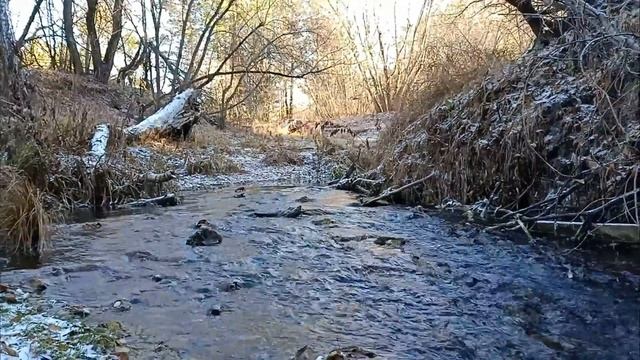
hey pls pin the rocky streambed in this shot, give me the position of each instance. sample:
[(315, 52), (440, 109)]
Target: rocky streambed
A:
[(388, 281)]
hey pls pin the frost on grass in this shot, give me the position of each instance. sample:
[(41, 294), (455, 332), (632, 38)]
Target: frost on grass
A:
[(29, 334)]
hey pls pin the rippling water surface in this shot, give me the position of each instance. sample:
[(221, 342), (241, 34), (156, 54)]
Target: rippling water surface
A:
[(450, 292)]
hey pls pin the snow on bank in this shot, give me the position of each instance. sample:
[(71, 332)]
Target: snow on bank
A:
[(28, 333), (314, 169), (254, 171)]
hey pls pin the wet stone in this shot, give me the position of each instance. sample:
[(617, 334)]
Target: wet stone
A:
[(205, 235), (79, 311), (10, 298), (325, 221), (156, 278), (215, 310), (56, 271), (351, 352), (121, 305), (141, 255), (389, 241), (291, 213), (38, 284), (232, 285)]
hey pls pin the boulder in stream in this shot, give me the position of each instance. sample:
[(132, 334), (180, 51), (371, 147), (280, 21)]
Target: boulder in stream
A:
[(205, 235)]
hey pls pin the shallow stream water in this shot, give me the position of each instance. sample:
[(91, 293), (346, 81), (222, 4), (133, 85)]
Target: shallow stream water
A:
[(451, 291)]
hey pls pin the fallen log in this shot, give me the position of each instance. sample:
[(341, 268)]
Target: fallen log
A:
[(173, 120), (98, 151), (164, 201)]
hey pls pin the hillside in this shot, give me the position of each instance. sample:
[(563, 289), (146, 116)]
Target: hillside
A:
[(554, 135)]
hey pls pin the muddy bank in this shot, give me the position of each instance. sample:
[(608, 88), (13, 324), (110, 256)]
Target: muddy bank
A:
[(401, 284)]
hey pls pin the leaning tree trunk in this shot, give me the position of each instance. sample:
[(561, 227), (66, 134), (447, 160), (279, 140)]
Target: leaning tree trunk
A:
[(8, 60)]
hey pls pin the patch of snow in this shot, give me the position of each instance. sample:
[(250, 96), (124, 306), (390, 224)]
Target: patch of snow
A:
[(254, 171), (19, 320)]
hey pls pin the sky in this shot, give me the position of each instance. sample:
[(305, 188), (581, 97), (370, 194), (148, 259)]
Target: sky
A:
[(405, 9)]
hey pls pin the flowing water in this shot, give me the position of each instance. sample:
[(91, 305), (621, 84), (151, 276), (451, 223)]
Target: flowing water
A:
[(451, 291)]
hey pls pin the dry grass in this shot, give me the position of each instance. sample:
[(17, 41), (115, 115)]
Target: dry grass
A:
[(206, 136), (528, 130), (281, 156), (23, 216), (212, 165)]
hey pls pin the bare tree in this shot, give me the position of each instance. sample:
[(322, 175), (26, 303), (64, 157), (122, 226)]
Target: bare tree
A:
[(25, 32), (102, 66)]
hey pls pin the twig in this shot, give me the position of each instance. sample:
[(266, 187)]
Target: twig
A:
[(387, 193)]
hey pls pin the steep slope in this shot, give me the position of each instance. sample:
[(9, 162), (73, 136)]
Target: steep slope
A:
[(559, 126)]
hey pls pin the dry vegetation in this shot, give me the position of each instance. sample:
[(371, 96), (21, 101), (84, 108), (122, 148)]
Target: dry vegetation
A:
[(554, 135), (212, 165), (43, 144), (22, 213)]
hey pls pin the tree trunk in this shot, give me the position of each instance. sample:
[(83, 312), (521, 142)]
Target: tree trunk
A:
[(67, 15), (8, 60), (543, 29), (102, 66)]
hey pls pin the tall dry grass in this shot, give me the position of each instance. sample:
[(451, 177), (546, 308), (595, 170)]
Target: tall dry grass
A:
[(421, 64), (24, 218), (559, 118)]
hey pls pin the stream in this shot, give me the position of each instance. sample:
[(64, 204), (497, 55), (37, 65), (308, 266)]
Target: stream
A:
[(437, 289)]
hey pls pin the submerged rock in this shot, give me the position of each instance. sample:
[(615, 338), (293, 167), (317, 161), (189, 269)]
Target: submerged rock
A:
[(141, 255), (389, 241), (232, 285), (304, 199), (325, 221), (292, 212), (351, 352), (78, 310), (38, 284), (10, 298), (215, 310), (205, 235)]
